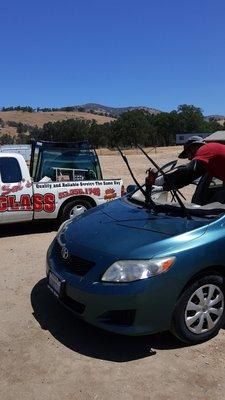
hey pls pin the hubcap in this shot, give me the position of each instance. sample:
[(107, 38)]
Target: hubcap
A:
[(77, 210), (204, 309)]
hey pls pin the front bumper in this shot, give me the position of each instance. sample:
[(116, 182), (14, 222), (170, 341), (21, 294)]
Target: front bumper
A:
[(134, 308)]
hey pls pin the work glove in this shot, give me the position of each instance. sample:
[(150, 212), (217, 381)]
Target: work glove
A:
[(157, 189)]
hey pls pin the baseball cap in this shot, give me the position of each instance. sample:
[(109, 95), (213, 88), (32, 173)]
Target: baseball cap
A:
[(188, 143)]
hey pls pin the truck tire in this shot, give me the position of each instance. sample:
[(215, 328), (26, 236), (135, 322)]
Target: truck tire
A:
[(73, 209), (200, 312)]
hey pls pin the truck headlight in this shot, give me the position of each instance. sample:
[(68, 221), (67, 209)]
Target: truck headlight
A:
[(134, 270)]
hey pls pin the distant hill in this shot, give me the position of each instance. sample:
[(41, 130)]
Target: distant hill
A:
[(9, 118), (112, 111), (218, 118), (117, 111), (38, 117)]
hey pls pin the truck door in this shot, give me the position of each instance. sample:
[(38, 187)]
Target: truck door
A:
[(15, 189)]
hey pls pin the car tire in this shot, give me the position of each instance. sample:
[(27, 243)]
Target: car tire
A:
[(199, 312), (74, 208)]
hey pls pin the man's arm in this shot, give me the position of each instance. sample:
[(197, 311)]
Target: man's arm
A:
[(183, 175)]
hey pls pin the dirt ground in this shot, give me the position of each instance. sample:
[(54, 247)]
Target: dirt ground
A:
[(46, 353)]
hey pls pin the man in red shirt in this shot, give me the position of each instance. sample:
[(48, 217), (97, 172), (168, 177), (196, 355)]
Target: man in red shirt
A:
[(204, 158), (211, 156)]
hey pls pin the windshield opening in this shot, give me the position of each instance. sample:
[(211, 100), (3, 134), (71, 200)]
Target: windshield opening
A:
[(163, 204), (68, 165)]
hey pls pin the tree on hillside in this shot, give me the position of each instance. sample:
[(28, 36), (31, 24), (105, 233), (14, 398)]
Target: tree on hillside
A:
[(165, 125), (191, 118), (67, 130), (23, 138), (131, 127), (99, 135), (6, 139)]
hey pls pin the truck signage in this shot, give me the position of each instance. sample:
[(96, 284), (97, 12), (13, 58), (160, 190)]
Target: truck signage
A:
[(38, 202)]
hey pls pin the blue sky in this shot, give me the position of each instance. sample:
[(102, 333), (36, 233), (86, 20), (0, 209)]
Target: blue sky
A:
[(159, 53)]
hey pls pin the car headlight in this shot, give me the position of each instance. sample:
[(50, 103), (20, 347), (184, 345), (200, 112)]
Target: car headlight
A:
[(134, 270), (61, 232)]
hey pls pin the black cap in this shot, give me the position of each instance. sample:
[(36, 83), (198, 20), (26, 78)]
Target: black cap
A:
[(188, 143)]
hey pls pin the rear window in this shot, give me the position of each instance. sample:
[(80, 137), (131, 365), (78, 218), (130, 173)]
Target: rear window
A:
[(10, 170), (65, 164)]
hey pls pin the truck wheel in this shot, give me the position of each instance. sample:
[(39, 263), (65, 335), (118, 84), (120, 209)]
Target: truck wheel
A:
[(74, 208), (199, 313)]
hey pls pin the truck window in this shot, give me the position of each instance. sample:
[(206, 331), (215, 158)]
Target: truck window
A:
[(65, 164), (10, 170)]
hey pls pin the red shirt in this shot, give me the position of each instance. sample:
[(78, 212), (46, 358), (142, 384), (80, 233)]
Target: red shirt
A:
[(213, 156)]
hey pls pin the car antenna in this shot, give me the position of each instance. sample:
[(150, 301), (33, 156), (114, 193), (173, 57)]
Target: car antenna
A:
[(167, 179), (145, 193)]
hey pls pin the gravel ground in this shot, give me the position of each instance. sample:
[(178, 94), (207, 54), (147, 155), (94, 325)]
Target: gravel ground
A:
[(46, 353)]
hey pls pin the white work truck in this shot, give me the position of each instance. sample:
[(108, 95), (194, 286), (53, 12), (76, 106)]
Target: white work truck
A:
[(64, 180)]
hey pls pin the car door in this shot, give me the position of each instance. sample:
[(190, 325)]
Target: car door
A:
[(15, 190)]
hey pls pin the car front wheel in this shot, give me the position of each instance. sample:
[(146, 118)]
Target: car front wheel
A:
[(199, 312)]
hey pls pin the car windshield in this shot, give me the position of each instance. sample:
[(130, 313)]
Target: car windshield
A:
[(163, 203)]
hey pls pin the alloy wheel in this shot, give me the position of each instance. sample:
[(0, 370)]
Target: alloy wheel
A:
[(204, 309)]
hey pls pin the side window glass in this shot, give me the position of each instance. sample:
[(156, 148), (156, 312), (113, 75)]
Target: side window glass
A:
[(10, 171)]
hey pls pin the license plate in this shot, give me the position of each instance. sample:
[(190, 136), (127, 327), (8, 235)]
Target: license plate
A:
[(55, 284)]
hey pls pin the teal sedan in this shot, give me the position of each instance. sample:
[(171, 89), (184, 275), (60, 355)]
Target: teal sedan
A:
[(136, 269)]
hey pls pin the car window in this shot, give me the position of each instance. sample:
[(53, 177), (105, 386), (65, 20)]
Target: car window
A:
[(10, 170)]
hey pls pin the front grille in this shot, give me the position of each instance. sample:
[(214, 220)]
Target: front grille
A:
[(78, 265), (73, 304)]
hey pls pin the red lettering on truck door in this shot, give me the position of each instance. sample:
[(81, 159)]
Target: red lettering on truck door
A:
[(38, 202), (3, 203), (44, 202), (26, 202), (13, 205), (49, 202)]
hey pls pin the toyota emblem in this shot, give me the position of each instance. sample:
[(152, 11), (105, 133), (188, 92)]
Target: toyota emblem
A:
[(65, 253)]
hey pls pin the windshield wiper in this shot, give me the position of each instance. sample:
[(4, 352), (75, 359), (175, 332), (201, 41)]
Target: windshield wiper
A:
[(145, 193), (173, 190)]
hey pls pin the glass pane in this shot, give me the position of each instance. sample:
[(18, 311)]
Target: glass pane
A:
[(10, 170), (73, 165)]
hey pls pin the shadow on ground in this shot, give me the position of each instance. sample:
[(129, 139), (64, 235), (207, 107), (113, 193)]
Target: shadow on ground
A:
[(81, 337), (26, 228)]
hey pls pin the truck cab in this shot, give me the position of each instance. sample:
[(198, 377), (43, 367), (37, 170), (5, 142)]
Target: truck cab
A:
[(65, 179), (64, 161), (16, 189)]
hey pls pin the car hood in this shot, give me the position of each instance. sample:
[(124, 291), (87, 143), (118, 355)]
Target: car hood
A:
[(127, 230)]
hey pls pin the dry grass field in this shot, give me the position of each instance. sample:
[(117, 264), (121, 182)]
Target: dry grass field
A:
[(46, 353), (40, 118)]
